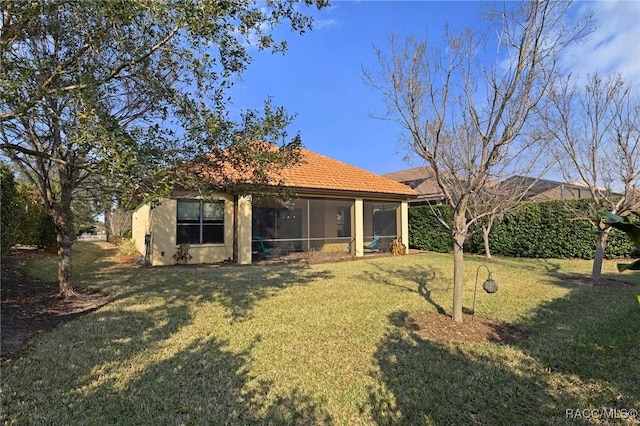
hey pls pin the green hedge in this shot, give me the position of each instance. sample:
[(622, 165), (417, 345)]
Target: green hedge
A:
[(8, 206), (426, 232), (541, 229), (23, 219)]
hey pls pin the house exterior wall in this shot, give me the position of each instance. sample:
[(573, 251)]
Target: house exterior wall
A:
[(357, 249), (141, 226), (161, 222), (163, 233)]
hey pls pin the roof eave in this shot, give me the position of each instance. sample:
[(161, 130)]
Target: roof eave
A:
[(356, 194)]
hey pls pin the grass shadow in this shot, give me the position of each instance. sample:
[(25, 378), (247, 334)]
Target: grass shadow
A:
[(424, 278), (206, 384), (116, 366), (237, 289), (581, 352), (430, 382), (139, 383), (593, 334)]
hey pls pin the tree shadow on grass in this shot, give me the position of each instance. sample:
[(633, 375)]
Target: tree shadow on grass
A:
[(118, 366), (582, 353), (431, 382), (126, 365), (424, 277), (205, 383), (593, 334), (237, 289)]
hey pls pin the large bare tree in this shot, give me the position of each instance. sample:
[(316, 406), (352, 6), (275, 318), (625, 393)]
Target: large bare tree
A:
[(98, 94), (596, 130), (465, 107)]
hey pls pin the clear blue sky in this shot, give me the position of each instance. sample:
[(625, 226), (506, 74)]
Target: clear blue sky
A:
[(320, 77)]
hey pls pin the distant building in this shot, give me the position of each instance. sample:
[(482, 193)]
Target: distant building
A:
[(546, 189), (423, 181)]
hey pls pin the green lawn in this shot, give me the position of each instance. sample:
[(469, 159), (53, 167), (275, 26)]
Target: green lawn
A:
[(323, 344)]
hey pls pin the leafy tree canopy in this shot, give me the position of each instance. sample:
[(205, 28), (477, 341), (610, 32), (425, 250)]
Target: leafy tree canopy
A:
[(98, 95)]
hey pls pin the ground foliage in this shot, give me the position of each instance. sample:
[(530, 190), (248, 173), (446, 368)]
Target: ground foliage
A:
[(31, 306)]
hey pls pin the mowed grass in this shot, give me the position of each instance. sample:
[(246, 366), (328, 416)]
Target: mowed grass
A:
[(324, 344)]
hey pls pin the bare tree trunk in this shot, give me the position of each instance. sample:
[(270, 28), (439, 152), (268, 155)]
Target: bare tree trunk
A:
[(459, 235), (61, 217), (107, 223), (64, 264), (485, 240), (596, 271), (439, 98), (595, 130)]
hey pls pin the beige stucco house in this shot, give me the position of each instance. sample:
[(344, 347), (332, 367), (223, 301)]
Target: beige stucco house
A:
[(337, 207)]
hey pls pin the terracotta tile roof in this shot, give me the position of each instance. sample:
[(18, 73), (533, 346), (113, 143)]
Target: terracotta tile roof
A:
[(314, 172), (318, 172)]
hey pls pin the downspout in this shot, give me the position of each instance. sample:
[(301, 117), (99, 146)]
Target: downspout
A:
[(308, 225)]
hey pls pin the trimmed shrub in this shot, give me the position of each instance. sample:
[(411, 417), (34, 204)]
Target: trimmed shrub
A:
[(127, 247), (548, 229), (538, 229), (425, 230)]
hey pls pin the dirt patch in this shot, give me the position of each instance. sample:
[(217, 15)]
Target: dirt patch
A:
[(435, 326), (30, 306)]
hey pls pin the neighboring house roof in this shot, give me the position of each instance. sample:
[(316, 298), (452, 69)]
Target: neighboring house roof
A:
[(546, 189), (317, 173), (421, 179)]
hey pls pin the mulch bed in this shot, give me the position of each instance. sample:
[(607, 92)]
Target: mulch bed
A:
[(436, 326), (30, 306)]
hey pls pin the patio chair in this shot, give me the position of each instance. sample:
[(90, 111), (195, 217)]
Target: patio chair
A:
[(369, 248), (259, 247)]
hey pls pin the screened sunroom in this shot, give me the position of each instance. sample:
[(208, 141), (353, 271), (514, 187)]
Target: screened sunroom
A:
[(324, 224)]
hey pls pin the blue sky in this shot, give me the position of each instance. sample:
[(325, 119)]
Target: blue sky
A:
[(320, 77)]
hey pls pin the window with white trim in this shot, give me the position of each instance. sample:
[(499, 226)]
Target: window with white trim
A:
[(200, 222)]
